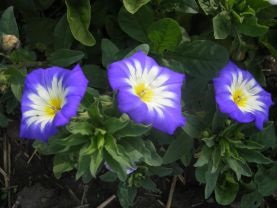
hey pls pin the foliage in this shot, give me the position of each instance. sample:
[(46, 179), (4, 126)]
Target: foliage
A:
[(196, 38)]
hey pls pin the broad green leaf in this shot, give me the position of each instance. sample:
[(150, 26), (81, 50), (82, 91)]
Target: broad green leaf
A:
[(180, 146), (8, 23), (239, 168), (165, 34), (226, 193), (204, 157), (95, 162), (83, 166), (251, 200), (209, 6), (133, 6), (126, 195), (96, 76), (149, 185), (61, 164), (108, 177), (193, 126), (78, 17), (22, 55), (201, 58), (222, 25), (114, 124), (266, 180), (64, 40), (109, 51), (142, 47), (211, 180), (3, 120), (136, 25), (44, 4), (200, 173), (133, 130), (16, 78), (267, 136), (251, 27), (216, 158), (160, 171), (80, 127), (65, 57), (254, 156), (183, 6)]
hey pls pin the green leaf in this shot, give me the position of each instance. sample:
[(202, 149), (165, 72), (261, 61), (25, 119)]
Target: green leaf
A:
[(8, 23), (222, 25), (109, 51), (83, 166), (3, 120), (17, 79), (95, 162), (64, 40), (183, 6), (108, 177), (80, 127), (133, 6), (96, 76), (136, 25), (251, 27), (226, 193), (61, 164), (114, 124), (216, 158), (266, 180), (133, 130), (78, 17), (201, 58), (254, 156), (200, 173), (208, 6), (152, 157), (165, 34), (193, 126), (142, 47), (211, 180), (251, 200), (126, 195), (65, 57), (239, 168), (267, 136), (179, 147), (204, 157)]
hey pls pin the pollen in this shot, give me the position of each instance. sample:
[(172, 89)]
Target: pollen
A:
[(240, 98), (144, 92), (55, 105)]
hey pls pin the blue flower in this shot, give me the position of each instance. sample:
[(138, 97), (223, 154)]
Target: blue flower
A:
[(50, 98), (147, 92), (240, 96)]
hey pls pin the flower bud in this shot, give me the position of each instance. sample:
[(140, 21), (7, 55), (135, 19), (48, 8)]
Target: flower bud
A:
[(10, 42)]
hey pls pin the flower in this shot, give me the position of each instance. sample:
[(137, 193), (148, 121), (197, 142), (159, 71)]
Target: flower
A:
[(240, 96), (10, 42), (51, 97), (147, 92)]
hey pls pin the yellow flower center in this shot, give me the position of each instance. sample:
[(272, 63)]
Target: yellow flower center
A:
[(145, 93), (240, 98), (55, 104)]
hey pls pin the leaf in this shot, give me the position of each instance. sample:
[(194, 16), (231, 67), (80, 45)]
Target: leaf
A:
[(193, 126), (17, 79), (266, 180), (165, 34), (108, 177), (114, 124), (61, 164), (180, 146), (221, 25), (109, 51), (142, 47), (136, 25), (126, 195), (254, 156), (267, 136), (8, 23), (64, 40), (211, 180), (251, 200), (78, 17), (3, 120), (216, 158), (183, 6), (251, 27), (208, 6), (226, 193), (201, 58), (204, 157), (133, 130), (83, 166), (95, 162), (133, 6), (239, 168), (96, 76), (77, 127), (65, 57)]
